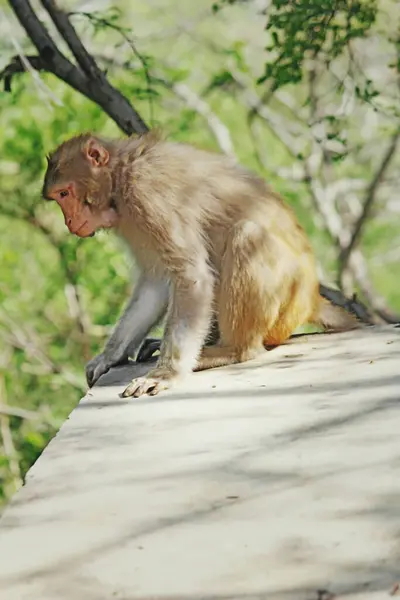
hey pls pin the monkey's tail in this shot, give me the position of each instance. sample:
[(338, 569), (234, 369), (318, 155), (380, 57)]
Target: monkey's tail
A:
[(335, 318)]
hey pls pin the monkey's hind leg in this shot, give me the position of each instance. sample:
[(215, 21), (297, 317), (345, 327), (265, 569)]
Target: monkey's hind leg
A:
[(248, 304), (265, 294)]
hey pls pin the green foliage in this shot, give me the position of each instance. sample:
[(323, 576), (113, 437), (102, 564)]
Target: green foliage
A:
[(41, 270), (306, 28)]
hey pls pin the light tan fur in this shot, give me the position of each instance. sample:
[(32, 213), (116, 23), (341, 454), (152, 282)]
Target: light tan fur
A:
[(222, 239)]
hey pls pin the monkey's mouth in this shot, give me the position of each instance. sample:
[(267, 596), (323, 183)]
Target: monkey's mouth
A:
[(82, 228), (76, 232)]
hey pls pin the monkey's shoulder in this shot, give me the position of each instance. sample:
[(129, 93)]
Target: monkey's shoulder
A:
[(175, 174)]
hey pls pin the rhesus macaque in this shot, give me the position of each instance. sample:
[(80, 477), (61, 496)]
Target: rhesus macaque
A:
[(336, 297), (213, 242)]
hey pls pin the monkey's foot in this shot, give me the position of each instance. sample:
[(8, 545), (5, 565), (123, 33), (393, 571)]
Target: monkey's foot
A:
[(155, 381), (149, 347)]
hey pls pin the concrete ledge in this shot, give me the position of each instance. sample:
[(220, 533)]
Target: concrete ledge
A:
[(269, 480)]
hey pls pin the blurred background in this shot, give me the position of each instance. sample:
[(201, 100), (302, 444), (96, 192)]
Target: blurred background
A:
[(304, 92)]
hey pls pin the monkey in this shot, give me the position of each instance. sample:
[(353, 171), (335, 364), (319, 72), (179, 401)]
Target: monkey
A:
[(352, 305), (214, 243)]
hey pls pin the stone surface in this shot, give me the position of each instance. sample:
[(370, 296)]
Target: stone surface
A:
[(268, 480)]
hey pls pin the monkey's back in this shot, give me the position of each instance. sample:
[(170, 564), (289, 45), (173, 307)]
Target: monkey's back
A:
[(199, 194), (219, 193)]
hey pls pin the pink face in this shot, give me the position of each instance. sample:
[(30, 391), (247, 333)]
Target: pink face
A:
[(80, 217)]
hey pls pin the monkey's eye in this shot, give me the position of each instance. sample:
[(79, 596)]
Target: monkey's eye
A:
[(64, 193)]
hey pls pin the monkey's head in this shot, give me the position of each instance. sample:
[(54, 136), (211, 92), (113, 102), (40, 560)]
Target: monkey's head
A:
[(78, 178)]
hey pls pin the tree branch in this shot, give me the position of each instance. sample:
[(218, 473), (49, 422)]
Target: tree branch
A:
[(54, 60), (368, 203), (6, 435), (29, 342), (107, 23), (358, 266), (68, 33), (196, 103), (17, 66), (21, 413), (191, 99), (71, 289), (96, 87)]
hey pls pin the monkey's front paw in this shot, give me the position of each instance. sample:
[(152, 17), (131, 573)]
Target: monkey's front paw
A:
[(154, 382), (96, 368)]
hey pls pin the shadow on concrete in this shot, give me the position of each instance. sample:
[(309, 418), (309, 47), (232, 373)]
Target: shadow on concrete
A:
[(273, 464), (356, 577), (263, 390)]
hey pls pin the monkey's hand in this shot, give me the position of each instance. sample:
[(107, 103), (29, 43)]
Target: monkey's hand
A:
[(156, 380), (96, 368)]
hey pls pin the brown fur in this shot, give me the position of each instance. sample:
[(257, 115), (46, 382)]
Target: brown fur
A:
[(217, 232)]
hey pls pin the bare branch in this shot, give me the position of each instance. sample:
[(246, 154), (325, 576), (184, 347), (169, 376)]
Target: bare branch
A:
[(96, 88), (28, 341), (287, 132), (43, 90), (196, 103), (21, 413), (182, 91), (95, 19), (54, 60), (8, 443), (358, 265), (71, 290), (68, 33), (341, 235), (368, 202), (17, 65)]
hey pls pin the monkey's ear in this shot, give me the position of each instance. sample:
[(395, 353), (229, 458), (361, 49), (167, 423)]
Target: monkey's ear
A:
[(96, 154)]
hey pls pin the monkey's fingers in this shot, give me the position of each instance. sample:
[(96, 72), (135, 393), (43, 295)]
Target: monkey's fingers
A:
[(144, 385), (148, 349), (91, 377), (99, 371), (95, 369)]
